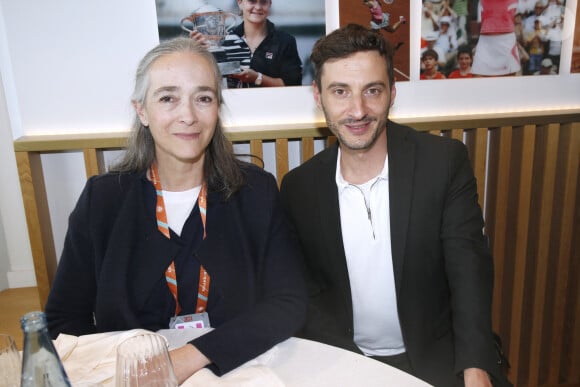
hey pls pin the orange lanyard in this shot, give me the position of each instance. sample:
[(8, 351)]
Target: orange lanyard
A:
[(163, 226)]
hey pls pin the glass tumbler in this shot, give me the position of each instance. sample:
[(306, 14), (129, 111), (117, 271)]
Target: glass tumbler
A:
[(143, 360), (10, 362)]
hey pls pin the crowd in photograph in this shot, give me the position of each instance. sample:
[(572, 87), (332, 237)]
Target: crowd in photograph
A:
[(471, 38)]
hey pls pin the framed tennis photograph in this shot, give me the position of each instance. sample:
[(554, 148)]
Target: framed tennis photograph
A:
[(575, 67), (391, 17), (491, 38), (257, 43)]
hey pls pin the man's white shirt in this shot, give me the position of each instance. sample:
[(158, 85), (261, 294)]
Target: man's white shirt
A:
[(366, 235)]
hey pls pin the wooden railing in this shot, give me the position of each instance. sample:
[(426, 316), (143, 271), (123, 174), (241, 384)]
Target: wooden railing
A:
[(527, 167)]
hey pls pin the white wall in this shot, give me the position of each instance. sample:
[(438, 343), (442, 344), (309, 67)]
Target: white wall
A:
[(15, 254), (4, 259), (67, 65)]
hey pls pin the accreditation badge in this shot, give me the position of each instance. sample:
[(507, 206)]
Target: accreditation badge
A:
[(197, 320)]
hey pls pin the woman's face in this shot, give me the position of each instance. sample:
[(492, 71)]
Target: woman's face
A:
[(181, 107), (255, 11)]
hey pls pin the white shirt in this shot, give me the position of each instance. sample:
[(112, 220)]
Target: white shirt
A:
[(525, 6), (554, 35), (446, 43), (366, 235), (178, 206), (553, 13)]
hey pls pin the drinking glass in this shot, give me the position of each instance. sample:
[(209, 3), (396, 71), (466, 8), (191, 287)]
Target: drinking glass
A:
[(143, 360), (10, 362)]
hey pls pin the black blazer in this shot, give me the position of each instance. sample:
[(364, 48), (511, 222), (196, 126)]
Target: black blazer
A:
[(442, 266), (277, 56), (114, 256)]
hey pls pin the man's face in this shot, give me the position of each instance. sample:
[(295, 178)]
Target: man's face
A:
[(429, 62), (464, 60), (355, 95)]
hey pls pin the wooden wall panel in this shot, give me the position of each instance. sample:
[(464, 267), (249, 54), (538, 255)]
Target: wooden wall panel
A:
[(257, 150), (38, 220), (573, 350), (496, 214), (282, 163), (545, 168), (570, 140), (524, 137), (94, 162), (307, 148)]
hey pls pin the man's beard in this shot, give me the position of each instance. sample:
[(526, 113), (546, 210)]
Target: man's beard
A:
[(334, 127)]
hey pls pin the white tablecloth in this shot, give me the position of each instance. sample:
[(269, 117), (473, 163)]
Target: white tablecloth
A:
[(304, 363), (292, 363)]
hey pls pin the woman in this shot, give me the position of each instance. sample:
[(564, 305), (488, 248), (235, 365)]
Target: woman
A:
[(180, 227), (274, 55), (496, 52)]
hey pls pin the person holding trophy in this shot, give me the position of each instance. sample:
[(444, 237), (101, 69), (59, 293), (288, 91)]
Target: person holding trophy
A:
[(271, 55)]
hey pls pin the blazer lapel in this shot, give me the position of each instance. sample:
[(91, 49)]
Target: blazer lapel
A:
[(136, 258), (401, 154), (153, 253), (330, 221)]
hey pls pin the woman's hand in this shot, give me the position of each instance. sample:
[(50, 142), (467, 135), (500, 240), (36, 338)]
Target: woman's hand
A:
[(475, 377), (250, 76), (186, 361), (195, 34), (246, 75)]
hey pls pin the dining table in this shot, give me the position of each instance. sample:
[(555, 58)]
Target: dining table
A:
[(295, 362)]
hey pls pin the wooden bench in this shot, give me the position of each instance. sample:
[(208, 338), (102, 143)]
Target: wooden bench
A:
[(527, 167)]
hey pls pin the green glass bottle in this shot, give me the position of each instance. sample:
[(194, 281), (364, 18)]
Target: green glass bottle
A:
[(41, 365)]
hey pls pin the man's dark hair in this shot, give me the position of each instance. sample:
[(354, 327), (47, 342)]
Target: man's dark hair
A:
[(430, 52), (465, 49), (346, 41)]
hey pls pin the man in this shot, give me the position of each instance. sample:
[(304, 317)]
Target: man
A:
[(388, 220), (430, 40), (429, 61), (461, 9), (464, 60), (446, 44), (547, 68), (530, 20), (536, 47), (429, 19)]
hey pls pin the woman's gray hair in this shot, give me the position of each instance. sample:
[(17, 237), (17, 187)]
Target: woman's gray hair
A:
[(221, 168)]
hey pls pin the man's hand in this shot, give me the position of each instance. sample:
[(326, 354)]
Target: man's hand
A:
[(476, 377)]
